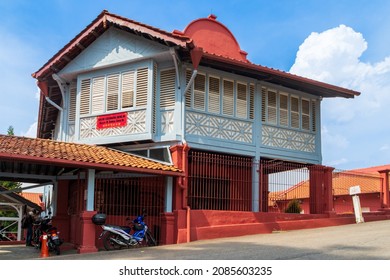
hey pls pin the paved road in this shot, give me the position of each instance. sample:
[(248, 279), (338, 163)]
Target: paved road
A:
[(367, 241)]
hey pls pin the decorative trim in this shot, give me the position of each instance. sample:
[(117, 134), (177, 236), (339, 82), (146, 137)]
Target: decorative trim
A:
[(136, 123), (167, 122), (218, 127), (288, 139)]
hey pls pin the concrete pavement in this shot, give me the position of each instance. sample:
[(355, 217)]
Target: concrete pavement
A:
[(366, 241)]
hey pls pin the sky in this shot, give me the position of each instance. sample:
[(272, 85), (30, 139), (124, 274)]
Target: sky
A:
[(342, 42)]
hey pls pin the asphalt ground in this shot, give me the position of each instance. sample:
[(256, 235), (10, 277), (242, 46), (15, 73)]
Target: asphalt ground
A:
[(365, 241)]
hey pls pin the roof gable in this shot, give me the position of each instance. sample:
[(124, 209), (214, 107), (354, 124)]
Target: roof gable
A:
[(113, 47)]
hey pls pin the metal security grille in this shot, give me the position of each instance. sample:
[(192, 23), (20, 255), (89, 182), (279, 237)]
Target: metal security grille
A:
[(219, 182), (120, 198)]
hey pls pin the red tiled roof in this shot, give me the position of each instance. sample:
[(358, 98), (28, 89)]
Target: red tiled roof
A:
[(78, 155), (33, 197), (341, 183)]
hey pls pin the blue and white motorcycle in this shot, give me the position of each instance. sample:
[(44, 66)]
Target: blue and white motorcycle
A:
[(116, 237)]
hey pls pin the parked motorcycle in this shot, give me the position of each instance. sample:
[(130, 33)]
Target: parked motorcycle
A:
[(45, 227), (116, 237)]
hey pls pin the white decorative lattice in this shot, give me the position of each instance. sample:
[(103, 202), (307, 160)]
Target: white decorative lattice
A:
[(167, 122), (136, 123), (288, 139), (218, 127)]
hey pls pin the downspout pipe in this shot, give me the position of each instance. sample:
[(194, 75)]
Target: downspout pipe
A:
[(175, 59), (45, 92)]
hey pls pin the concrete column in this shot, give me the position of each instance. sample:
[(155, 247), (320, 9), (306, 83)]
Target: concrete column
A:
[(168, 229), (90, 190)]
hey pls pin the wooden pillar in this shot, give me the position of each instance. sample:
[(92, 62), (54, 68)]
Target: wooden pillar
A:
[(385, 188)]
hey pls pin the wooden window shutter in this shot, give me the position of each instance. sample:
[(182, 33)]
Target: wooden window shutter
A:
[(294, 112), (313, 115), (305, 114), (272, 109), (188, 93), (98, 95), (252, 101), (263, 104), (228, 98), (283, 110), (214, 95), (142, 87), (85, 97), (72, 104), (167, 88), (199, 92), (128, 89), (112, 92), (242, 103)]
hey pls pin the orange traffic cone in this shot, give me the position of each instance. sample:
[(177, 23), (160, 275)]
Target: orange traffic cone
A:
[(44, 248)]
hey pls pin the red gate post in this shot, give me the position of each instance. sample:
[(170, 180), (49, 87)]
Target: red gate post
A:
[(385, 189), (328, 191), (88, 233), (316, 178)]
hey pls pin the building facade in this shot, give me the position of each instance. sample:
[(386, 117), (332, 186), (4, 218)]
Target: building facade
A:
[(186, 98)]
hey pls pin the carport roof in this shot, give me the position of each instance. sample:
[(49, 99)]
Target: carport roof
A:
[(48, 157)]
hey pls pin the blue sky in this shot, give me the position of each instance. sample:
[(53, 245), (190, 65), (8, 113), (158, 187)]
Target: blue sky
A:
[(343, 42)]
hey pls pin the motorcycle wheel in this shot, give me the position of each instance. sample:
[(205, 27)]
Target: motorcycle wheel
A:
[(108, 243), (150, 241)]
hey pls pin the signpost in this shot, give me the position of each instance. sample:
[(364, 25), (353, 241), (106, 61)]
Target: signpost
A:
[(354, 191)]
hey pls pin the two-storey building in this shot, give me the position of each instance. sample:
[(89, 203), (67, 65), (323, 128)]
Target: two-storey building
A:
[(188, 98)]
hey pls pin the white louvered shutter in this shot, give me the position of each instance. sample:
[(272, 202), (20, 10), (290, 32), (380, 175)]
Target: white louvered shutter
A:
[(272, 107), (85, 97), (294, 112), (72, 104), (313, 115), (199, 92), (242, 103), (167, 88), (189, 91), (228, 98), (252, 101), (142, 87), (128, 89), (98, 95), (264, 104), (112, 92), (305, 114), (283, 110), (214, 95)]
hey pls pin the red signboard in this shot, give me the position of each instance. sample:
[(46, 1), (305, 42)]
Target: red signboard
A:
[(112, 120)]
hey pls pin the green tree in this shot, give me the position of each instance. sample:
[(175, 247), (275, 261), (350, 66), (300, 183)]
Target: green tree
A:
[(8, 184), (293, 207)]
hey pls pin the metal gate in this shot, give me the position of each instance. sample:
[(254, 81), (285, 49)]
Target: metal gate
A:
[(124, 197)]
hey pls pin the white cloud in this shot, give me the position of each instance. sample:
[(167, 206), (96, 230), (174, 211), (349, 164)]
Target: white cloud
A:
[(32, 131), (354, 127), (384, 148)]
